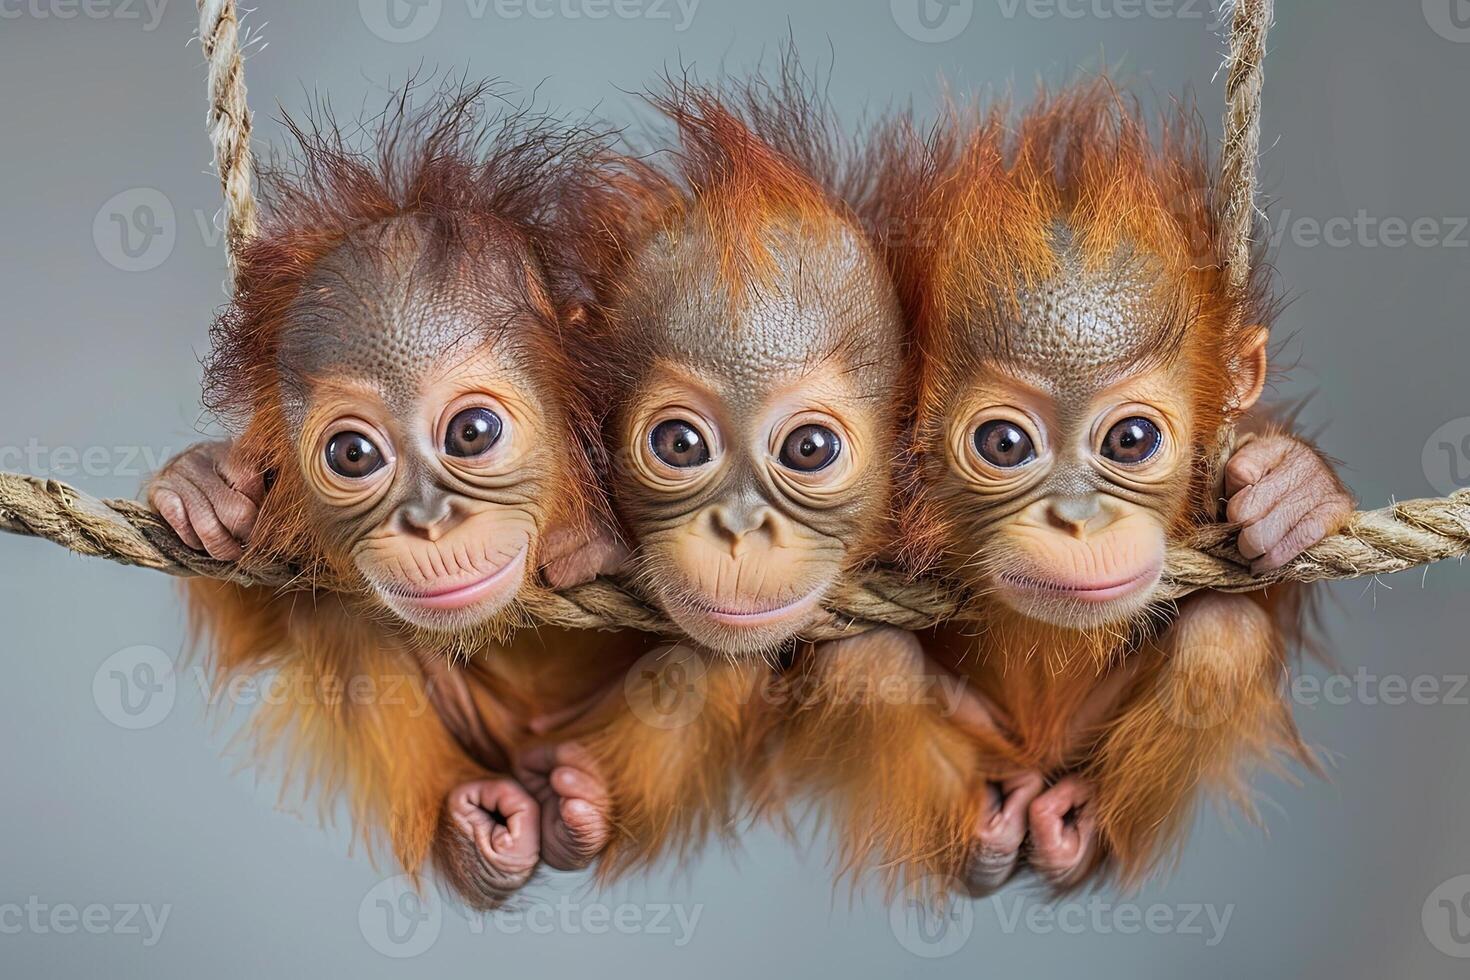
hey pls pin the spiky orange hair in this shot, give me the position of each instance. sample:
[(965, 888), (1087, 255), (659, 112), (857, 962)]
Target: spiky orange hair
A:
[(503, 182), (968, 211)]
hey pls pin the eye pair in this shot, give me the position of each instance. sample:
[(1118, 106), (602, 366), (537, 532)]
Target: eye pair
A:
[(807, 449), (1129, 442), (471, 433)]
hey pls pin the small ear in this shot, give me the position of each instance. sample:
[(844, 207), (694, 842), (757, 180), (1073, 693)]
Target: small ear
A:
[(1250, 369)]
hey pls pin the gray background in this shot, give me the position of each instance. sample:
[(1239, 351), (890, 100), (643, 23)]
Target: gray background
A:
[(1365, 114)]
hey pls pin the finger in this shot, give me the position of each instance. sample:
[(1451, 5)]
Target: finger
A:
[(1262, 535), (217, 539), (502, 816), (1288, 477), (577, 756), (582, 564), (505, 797), (1048, 813), (170, 507), (576, 784), (1327, 519), (1252, 461), (236, 511), (245, 480), (1020, 791)]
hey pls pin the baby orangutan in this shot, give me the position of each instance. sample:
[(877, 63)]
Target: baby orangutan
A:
[(751, 351), (1078, 361), (392, 352)]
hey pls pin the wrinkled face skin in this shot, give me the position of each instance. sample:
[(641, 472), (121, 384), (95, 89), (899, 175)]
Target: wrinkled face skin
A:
[(754, 451), (1067, 454), (420, 432)]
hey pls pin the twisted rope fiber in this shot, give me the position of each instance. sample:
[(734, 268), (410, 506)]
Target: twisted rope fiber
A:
[(1376, 542), (1241, 143), (229, 120)]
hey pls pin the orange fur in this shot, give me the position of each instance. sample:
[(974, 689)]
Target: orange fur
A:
[(506, 186), (750, 163), (353, 721), (966, 215)]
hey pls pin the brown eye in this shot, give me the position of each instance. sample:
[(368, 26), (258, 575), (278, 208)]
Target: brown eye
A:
[(1001, 443), (472, 433), (679, 444), (1133, 440), (353, 455), (810, 448)]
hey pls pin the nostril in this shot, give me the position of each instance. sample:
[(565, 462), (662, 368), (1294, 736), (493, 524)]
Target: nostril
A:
[(1073, 514), (426, 519)]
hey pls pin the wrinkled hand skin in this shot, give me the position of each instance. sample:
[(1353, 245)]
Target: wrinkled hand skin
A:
[(1063, 833), (209, 499), (1053, 825), (579, 555), (490, 840), (1285, 497), (575, 805), (1000, 833)]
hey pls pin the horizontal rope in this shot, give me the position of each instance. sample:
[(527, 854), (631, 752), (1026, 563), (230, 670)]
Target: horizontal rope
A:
[(1375, 542)]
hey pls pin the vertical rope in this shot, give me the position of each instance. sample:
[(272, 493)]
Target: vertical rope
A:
[(1240, 156), (229, 120)]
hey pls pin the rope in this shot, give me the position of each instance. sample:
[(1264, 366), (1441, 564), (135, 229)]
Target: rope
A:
[(1376, 542), (229, 120), (1241, 151)]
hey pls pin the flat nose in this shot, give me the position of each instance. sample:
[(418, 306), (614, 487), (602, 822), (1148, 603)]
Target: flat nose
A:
[(735, 524), (1073, 514), (429, 518)]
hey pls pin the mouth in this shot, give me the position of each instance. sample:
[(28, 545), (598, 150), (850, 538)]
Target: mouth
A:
[(463, 596), (755, 618), (1086, 592)]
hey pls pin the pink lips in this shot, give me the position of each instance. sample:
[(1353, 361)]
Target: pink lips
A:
[(1087, 593), (762, 617), (467, 595)]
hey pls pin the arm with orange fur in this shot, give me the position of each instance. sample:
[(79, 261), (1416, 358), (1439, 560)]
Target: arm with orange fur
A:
[(667, 746), (352, 715), (1208, 704), (895, 750)]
